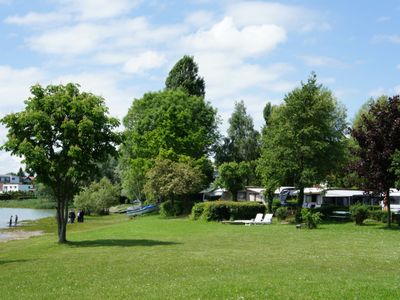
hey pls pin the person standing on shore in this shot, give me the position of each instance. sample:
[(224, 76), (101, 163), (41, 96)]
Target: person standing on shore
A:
[(16, 220), (10, 224)]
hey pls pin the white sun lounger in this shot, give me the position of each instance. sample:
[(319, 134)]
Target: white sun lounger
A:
[(267, 220), (258, 218)]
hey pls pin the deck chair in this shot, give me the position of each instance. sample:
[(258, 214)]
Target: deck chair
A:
[(267, 220), (258, 218)]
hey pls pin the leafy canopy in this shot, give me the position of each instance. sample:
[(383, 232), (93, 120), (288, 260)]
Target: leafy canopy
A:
[(184, 75), (62, 134), (170, 120), (305, 139)]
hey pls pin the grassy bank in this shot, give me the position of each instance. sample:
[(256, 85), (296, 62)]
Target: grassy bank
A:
[(150, 258), (28, 203)]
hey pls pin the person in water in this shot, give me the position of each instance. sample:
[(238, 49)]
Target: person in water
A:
[(10, 224), (16, 220)]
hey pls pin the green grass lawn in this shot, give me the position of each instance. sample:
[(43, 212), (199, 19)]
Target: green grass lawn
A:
[(28, 203), (151, 258)]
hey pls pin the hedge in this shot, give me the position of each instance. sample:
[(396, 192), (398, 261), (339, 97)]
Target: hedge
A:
[(226, 210)]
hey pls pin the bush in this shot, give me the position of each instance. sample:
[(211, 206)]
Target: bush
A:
[(378, 215), (310, 218), (231, 210), (197, 210), (169, 209), (281, 213), (275, 204), (98, 197), (327, 210), (359, 213)]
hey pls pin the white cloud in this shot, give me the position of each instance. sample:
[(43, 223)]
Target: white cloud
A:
[(383, 19), (200, 19), (15, 85), (398, 67), (33, 18), (322, 61), (79, 39), (397, 89), (377, 92), (145, 61), (390, 38), (291, 17), (98, 9), (248, 41)]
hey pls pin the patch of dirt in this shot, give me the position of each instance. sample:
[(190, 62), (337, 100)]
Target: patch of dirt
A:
[(6, 236)]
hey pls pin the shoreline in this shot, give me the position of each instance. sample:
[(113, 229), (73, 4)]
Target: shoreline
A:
[(14, 235)]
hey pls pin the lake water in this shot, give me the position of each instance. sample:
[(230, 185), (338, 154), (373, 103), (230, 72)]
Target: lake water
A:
[(23, 214)]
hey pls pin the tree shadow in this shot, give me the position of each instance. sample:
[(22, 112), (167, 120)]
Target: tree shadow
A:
[(3, 262), (120, 243)]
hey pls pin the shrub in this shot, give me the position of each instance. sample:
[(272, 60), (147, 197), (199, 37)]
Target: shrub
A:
[(275, 204), (281, 213), (230, 210), (359, 213), (170, 209), (98, 197), (197, 210), (310, 218), (378, 215)]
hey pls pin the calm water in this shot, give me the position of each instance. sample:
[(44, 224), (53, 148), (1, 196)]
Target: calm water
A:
[(23, 214)]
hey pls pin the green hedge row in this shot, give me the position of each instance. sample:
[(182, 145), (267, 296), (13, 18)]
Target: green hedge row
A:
[(226, 210)]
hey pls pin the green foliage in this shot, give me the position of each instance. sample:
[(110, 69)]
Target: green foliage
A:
[(98, 197), (170, 120), (184, 75), (62, 134), (232, 176), (305, 140), (310, 218), (168, 180), (228, 210), (171, 209), (243, 141), (132, 172), (359, 213), (378, 215), (197, 210), (378, 138), (281, 213)]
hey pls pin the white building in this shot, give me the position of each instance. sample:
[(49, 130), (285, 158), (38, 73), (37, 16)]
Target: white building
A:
[(9, 179), (7, 188)]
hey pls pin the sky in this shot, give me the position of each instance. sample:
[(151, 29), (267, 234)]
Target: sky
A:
[(255, 51)]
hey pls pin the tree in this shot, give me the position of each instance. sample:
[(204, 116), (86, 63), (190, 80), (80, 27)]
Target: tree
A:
[(62, 134), (242, 143), (232, 176), (98, 197), (305, 139), (169, 180), (170, 120), (378, 138), (21, 173), (184, 75)]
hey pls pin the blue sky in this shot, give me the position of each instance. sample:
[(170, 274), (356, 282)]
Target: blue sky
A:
[(256, 51)]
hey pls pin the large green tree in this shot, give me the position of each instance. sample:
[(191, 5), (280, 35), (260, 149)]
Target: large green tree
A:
[(378, 136), (62, 134), (184, 75), (242, 142), (305, 139), (170, 123), (233, 176)]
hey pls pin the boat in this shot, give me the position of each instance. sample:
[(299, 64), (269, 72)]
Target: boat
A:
[(141, 210)]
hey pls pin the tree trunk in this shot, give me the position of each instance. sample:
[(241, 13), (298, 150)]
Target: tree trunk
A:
[(300, 198), (62, 219), (387, 203)]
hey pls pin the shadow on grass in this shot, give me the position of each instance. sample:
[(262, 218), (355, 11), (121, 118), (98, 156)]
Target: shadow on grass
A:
[(120, 243), (3, 262)]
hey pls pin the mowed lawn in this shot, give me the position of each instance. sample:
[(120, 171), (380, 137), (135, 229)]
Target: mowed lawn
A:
[(152, 258)]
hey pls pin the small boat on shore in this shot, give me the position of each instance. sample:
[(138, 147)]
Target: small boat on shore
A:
[(141, 210)]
